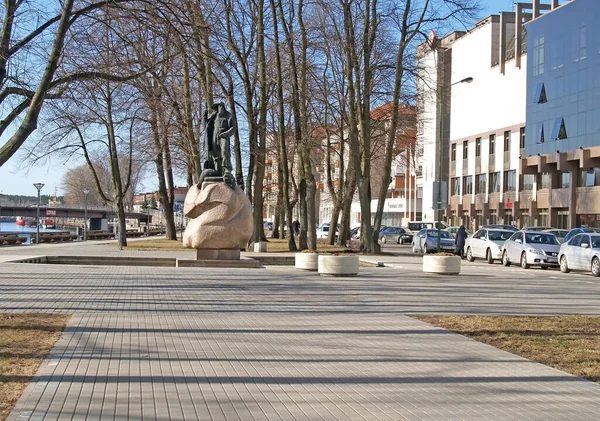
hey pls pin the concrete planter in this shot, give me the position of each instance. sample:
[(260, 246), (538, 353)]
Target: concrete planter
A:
[(259, 247), (446, 265), (338, 265), (307, 261)]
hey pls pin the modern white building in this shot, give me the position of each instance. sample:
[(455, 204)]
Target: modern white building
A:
[(482, 122)]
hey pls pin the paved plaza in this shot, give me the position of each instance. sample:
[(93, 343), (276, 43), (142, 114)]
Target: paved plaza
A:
[(148, 343)]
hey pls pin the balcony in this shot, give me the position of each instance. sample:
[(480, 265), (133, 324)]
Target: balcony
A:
[(507, 160), (492, 163)]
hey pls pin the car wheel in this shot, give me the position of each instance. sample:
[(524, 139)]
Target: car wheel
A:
[(505, 260), (564, 267), (399, 241), (470, 257), (524, 263), (414, 249), (596, 266), (488, 256)]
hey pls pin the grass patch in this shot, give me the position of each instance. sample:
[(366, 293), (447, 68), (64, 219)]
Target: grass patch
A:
[(274, 245), (568, 343), (25, 340)]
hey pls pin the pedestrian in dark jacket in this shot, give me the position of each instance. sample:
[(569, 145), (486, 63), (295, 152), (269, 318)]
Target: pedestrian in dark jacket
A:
[(296, 226), (461, 236)]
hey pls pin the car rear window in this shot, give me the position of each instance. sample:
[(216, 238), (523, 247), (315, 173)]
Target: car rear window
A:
[(541, 238)]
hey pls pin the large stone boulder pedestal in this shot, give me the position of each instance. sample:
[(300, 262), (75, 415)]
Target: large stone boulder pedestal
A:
[(221, 225)]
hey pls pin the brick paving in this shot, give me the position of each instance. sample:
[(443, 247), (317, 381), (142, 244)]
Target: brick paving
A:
[(276, 344)]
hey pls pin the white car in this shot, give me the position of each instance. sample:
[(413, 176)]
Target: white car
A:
[(323, 231), (486, 244), (531, 248), (581, 252)]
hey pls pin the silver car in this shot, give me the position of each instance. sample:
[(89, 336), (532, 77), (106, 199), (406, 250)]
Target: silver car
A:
[(486, 244), (531, 248), (581, 252)]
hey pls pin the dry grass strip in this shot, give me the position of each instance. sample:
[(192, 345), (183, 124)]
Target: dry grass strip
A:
[(25, 340), (568, 343)]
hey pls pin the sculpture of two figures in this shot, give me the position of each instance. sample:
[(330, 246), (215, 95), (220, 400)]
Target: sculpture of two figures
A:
[(221, 212)]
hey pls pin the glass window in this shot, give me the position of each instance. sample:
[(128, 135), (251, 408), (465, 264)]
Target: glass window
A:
[(539, 133), (576, 241), (538, 56), (453, 154), (585, 240), (465, 149), (478, 146), (540, 94), (492, 144), (510, 180), (495, 182), (443, 234), (507, 141), (455, 186), (479, 234), (582, 43), (480, 182), (564, 180), (543, 181), (541, 238), (522, 138), (499, 235), (596, 242), (527, 181), (587, 177), (468, 184), (560, 130)]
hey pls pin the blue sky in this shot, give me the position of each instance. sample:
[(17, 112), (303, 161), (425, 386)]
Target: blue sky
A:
[(16, 178)]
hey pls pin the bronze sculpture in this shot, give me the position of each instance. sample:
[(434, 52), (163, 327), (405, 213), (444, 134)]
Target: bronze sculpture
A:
[(219, 126)]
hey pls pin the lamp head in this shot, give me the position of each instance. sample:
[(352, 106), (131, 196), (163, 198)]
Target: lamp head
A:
[(38, 186), (467, 80)]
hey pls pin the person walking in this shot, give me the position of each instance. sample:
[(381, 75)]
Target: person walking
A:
[(296, 226), (459, 241)]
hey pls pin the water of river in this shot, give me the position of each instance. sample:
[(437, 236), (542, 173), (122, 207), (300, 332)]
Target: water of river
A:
[(13, 227)]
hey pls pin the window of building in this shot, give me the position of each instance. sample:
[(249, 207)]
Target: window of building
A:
[(540, 94), (564, 180), (468, 184), (539, 130), (562, 220), (478, 146), (510, 180), (493, 217), (543, 217), (543, 181), (582, 43), (538, 56), (495, 182), (522, 138), (453, 152), (587, 177), (492, 144), (480, 182), (527, 181), (507, 141), (455, 186), (465, 149), (560, 130)]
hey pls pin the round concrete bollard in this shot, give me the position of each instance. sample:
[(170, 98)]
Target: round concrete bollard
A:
[(338, 265), (445, 265), (307, 261)]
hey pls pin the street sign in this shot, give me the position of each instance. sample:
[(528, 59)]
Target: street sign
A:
[(50, 212), (509, 203)]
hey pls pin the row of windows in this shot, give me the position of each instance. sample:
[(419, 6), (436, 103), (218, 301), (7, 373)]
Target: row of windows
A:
[(578, 50), (491, 144), (589, 177)]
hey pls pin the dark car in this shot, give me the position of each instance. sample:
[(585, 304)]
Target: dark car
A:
[(396, 235), (500, 227), (580, 230)]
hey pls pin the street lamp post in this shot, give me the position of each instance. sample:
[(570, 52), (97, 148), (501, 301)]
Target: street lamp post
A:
[(147, 218), (38, 186), (440, 161), (85, 224)]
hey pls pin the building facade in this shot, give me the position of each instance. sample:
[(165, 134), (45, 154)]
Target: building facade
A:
[(488, 177), (561, 165)]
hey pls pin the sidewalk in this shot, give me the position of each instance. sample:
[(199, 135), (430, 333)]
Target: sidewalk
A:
[(148, 343)]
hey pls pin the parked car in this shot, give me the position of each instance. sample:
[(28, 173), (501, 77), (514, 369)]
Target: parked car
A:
[(454, 230), (426, 241), (416, 226), (536, 228), (580, 230), (560, 234), (500, 227), (354, 233), (581, 252), (396, 235), (486, 244), (531, 248)]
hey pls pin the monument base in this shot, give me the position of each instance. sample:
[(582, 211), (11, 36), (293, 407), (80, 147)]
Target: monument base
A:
[(218, 254), (245, 263)]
